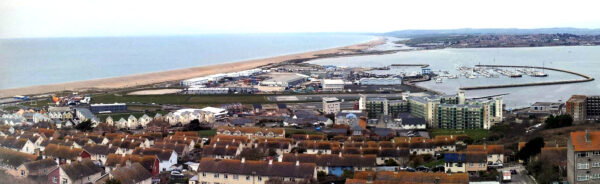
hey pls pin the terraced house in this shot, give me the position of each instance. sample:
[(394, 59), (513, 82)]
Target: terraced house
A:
[(216, 171)]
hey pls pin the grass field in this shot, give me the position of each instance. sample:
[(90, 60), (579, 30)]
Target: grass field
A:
[(207, 133), (290, 131), (434, 163), (475, 134)]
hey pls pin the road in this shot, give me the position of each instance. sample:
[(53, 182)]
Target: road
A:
[(521, 177)]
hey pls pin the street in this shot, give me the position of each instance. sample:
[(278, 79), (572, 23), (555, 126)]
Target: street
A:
[(521, 177)]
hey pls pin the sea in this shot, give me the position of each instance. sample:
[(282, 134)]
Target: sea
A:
[(38, 61), (582, 59)]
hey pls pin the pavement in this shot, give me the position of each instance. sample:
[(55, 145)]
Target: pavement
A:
[(521, 177)]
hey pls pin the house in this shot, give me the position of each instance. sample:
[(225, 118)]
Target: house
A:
[(335, 164), (150, 162), (97, 152), (35, 168), (463, 162), (317, 147), (251, 132), (495, 153), (132, 122), (400, 155), (64, 154), (166, 157), (84, 171), (13, 159), (20, 144), (221, 152), (363, 177), (241, 171), (134, 173)]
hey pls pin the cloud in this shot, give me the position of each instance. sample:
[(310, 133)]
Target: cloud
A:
[(68, 18)]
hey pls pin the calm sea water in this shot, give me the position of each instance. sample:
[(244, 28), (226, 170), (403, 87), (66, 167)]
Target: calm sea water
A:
[(583, 59), (28, 62)]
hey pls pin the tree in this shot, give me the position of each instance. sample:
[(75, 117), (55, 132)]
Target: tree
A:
[(558, 121), (112, 181), (84, 126), (391, 162), (348, 174), (531, 148), (416, 161)]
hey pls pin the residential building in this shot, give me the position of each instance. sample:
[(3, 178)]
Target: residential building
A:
[(576, 107), (376, 107), (331, 105), (253, 172), (592, 108), (84, 171), (583, 157), (132, 173)]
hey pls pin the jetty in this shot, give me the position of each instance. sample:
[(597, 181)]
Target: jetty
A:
[(420, 65), (586, 78)]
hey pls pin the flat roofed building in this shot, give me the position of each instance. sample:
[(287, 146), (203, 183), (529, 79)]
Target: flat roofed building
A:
[(115, 107), (576, 107), (333, 85), (592, 108), (284, 79), (331, 105)]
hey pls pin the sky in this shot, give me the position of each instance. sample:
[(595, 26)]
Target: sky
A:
[(94, 18)]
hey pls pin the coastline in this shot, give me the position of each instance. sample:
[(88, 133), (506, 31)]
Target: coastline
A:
[(182, 74)]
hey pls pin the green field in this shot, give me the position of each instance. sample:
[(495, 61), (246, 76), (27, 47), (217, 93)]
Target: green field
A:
[(207, 133), (475, 134)]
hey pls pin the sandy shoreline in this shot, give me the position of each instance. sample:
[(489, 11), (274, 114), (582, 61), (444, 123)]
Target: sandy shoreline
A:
[(174, 75)]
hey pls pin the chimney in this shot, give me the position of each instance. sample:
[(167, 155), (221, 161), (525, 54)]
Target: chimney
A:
[(271, 162), (297, 163), (587, 136), (128, 163), (243, 160), (484, 146), (215, 145), (226, 146), (340, 154), (379, 147), (280, 158), (451, 136)]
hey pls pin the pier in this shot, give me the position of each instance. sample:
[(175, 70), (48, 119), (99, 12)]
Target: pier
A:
[(586, 78), (420, 65)]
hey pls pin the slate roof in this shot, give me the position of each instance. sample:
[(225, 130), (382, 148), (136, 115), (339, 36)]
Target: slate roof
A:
[(77, 170), (131, 174), (262, 168)]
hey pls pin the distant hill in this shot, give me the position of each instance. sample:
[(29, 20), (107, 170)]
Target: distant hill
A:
[(469, 31)]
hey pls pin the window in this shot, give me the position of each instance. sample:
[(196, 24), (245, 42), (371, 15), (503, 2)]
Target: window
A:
[(595, 176), (89, 179), (583, 177), (582, 154), (65, 181), (203, 174), (596, 164), (22, 172), (260, 178), (225, 176), (54, 179), (596, 153), (471, 164), (583, 166), (247, 177), (235, 176), (216, 175)]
